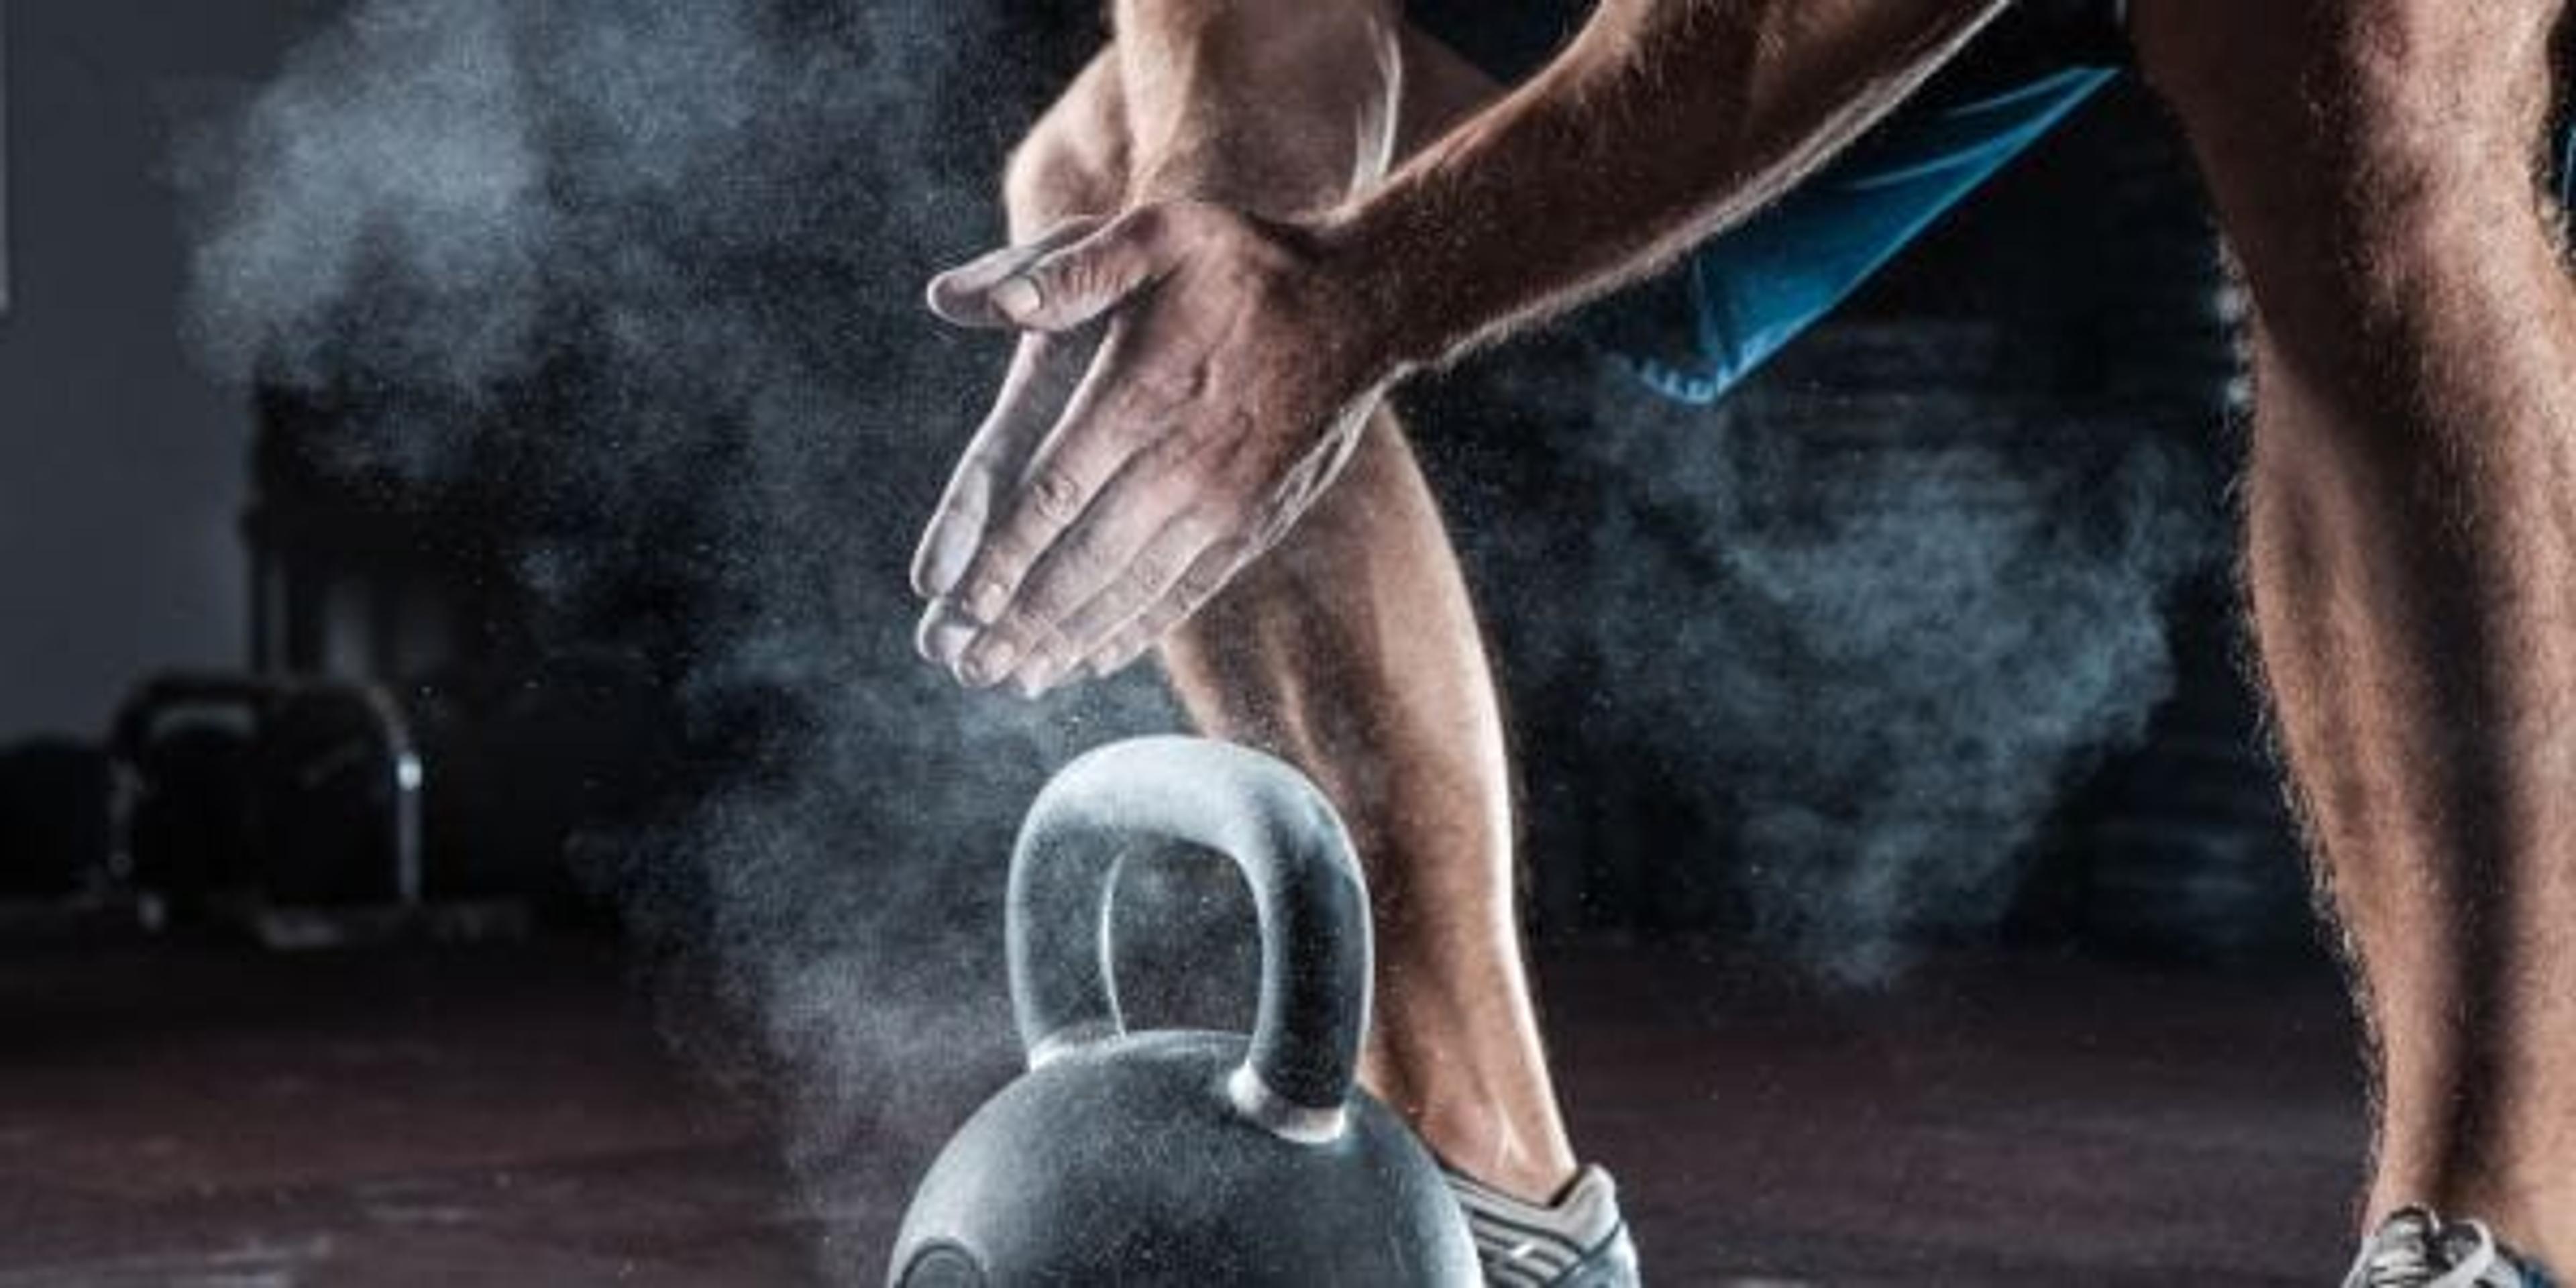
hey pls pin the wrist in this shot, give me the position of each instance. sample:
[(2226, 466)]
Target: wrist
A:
[(1273, 182), (1389, 292), (1367, 297)]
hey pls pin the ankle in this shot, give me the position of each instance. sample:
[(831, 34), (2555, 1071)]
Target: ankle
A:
[(2533, 1219), (1482, 1145), (2534, 1222)]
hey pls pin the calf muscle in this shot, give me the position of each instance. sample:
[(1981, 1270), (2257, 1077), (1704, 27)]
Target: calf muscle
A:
[(2412, 541)]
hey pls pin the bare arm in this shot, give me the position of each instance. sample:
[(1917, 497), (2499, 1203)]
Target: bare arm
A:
[(1267, 107), (1242, 353), (1666, 122)]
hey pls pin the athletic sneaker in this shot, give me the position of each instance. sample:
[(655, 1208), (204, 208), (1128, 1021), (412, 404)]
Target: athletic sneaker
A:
[(1578, 1241), (2415, 1249)]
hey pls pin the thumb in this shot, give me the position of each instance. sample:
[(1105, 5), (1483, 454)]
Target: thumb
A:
[(963, 295), (1063, 290)]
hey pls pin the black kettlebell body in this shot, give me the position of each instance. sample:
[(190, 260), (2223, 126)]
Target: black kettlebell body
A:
[(1169, 1157)]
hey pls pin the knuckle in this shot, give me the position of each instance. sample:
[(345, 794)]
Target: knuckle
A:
[(1022, 628), (984, 598), (1004, 649), (1201, 581), (1149, 569), (1045, 658), (1005, 550), (1055, 496), (1083, 560), (1041, 601), (1084, 630), (1072, 628), (1055, 591), (987, 581), (1004, 556)]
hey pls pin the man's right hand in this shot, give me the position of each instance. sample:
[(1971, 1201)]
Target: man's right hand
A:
[(1073, 166)]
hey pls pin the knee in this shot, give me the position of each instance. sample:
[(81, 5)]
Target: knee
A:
[(1075, 159)]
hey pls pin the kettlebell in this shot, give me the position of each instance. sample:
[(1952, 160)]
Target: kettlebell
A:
[(1172, 1157)]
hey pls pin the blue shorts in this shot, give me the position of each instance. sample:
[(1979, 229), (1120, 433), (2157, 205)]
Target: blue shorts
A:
[(1747, 293), (1696, 332)]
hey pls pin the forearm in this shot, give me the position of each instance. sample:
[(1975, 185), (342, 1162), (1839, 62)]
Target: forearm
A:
[(1665, 122), (1265, 104)]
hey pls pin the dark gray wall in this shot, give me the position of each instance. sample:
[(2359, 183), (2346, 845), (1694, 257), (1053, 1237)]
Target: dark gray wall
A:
[(120, 466)]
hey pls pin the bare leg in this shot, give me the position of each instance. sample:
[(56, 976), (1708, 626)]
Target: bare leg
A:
[(2412, 549), (1353, 652)]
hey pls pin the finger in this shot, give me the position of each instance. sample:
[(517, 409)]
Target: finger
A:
[(943, 634), (1151, 491), (1088, 447), (962, 295), (1103, 598), (1207, 575), (1121, 652), (1044, 371), (1093, 627), (1080, 282)]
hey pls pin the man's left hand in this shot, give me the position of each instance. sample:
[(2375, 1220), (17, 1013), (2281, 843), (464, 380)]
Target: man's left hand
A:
[(1232, 381)]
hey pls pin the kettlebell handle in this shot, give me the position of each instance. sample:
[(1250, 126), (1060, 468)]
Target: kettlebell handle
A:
[(1307, 894)]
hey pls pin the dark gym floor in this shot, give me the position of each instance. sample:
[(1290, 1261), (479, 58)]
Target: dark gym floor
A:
[(504, 1115)]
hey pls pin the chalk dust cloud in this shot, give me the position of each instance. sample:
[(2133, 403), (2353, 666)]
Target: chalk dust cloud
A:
[(650, 272)]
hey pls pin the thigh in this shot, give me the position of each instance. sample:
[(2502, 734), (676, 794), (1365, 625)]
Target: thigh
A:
[(2380, 91), (2334, 133)]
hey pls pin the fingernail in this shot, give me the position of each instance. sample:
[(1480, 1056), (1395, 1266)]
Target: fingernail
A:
[(1016, 298), (1044, 671), (987, 603), (988, 660), (944, 634), (1032, 679), (940, 570)]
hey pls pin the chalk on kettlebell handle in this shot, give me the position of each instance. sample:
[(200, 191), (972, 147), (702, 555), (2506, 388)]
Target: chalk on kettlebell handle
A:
[(1185, 1157)]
